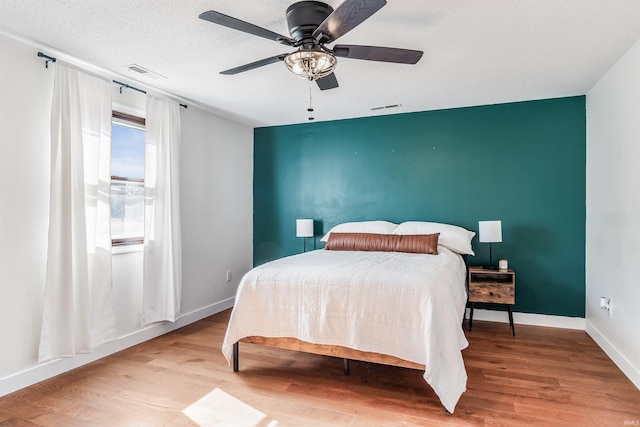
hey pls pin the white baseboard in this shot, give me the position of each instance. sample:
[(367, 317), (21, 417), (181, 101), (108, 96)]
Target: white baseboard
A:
[(529, 319), (626, 366), (52, 368)]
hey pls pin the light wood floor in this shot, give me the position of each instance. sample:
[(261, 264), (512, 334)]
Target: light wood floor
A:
[(542, 377)]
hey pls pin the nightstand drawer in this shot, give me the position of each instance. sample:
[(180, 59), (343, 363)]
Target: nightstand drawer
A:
[(499, 293)]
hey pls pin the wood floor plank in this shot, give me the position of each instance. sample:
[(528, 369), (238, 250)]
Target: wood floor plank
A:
[(541, 377), (16, 422)]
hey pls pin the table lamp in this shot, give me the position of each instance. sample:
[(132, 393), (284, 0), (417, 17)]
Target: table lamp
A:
[(304, 229), (490, 232)]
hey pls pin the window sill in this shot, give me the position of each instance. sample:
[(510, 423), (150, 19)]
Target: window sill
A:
[(124, 249)]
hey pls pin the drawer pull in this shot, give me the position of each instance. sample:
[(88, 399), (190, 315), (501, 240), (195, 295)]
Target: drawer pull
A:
[(491, 293)]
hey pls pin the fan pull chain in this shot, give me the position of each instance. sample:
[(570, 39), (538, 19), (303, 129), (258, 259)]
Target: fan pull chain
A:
[(310, 109)]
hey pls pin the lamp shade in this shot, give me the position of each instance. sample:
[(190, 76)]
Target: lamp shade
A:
[(304, 228), (490, 231)]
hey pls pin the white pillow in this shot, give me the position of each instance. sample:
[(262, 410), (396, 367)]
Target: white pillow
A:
[(374, 227), (452, 237)]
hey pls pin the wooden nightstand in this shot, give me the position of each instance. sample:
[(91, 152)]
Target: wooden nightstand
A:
[(492, 286)]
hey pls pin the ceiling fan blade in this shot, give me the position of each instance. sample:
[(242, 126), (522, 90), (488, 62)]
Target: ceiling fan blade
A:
[(256, 64), (345, 18), (328, 82), (236, 24), (378, 53)]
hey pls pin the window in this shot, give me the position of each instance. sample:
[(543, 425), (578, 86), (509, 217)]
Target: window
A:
[(127, 179)]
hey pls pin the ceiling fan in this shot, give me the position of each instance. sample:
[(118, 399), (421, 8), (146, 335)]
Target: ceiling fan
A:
[(313, 25)]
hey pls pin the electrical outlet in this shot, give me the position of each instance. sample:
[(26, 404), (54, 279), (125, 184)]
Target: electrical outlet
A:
[(605, 304), (228, 275), (610, 309)]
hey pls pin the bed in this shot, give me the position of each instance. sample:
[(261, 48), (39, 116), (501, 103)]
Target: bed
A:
[(372, 304)]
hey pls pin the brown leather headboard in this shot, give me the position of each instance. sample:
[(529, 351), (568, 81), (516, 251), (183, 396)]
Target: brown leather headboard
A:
[(416, 243)]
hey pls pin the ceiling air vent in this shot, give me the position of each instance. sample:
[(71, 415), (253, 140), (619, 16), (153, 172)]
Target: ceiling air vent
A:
[(135, 68), (386, 107)]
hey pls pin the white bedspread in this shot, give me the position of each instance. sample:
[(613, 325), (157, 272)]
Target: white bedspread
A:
[(404, 305)]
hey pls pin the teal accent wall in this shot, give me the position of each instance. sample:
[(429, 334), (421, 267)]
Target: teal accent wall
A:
[(522, 163)]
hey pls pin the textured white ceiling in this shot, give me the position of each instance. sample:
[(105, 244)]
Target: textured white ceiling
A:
[(475, 52)]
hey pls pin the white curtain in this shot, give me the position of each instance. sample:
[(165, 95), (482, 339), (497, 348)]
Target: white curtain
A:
[(162, 288), (78, 305)]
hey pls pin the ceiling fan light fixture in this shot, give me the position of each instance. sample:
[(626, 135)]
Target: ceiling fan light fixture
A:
[(310, 64)]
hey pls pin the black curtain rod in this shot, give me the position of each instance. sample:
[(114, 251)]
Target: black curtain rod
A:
[(122, 85), (126, 86)]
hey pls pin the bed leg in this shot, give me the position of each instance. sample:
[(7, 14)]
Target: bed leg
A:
[(236, 356), (346, 366)]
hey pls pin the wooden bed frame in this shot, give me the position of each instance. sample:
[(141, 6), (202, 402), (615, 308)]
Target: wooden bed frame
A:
[(344, 353)]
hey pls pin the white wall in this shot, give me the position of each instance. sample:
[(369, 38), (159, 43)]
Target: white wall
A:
[(25, 98), (217, 191), (613, 204), (217, 206)]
